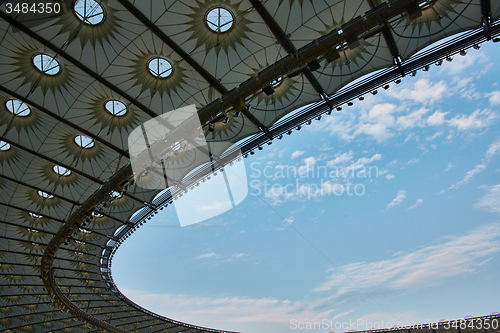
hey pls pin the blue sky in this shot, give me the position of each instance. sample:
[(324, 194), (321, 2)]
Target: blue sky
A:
[(418, 242)]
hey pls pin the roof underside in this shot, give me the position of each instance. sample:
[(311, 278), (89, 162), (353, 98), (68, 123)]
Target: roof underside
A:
[(109, 61)]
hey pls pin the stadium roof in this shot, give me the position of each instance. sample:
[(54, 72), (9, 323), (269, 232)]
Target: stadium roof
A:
[(75, 83)]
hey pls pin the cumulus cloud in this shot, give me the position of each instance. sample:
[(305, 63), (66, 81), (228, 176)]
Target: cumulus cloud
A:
[(415, 109), (416, 204), (400, 197), (308, 166), (363, 161), (476, 120), (460, 64), (437, 118), (341, 158), (423, 91), (426, 267), (297, 153)]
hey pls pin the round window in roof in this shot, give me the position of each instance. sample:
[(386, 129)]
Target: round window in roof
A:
[(116, 107), (18, 108), (219, 19), (61, 171), (45, 195), (277, 82), (46, 64), (4, 146), (160, 67), (35, 216), (89, 11), (84, 141), (97, 214)]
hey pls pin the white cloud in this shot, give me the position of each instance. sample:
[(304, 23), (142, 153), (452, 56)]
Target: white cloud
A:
[(416, 204), (389, 320), (297, 153), (389, 176), (460, 64), (412, 119), (241, 314), (341, 158), (476, 120), (313, 181), (423, 91), (433, 137), (207, 255), (361, 162), (494, 97), (491, 200), (468, 176), (437, 118), (384, 121), (309, 162), (426, 267), (397, 200), (414, 160), (449, 167), (493, 149)]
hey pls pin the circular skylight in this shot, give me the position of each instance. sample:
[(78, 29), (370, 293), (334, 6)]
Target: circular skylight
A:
[(4, 146), (176, 145), (18, 108), (116, 195), (89, 11), (277, 82), (45, 195), (61, 171), (219, 19), (116, 107), (46, 64), (160, 67), (84, 141), (97, 214)]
